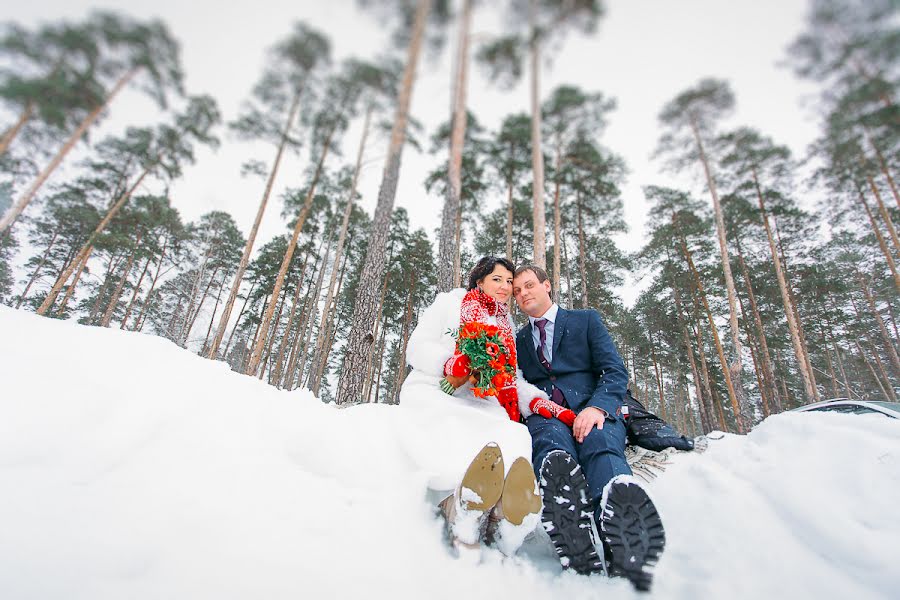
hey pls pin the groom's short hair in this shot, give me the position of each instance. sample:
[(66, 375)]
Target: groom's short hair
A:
[(538, 272)]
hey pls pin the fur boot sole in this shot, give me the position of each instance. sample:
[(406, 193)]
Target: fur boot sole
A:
[(567, 513), (632, 532)]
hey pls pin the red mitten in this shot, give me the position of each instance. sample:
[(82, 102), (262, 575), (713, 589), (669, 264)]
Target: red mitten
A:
[(548, 410), (509, 400), (457, 365)]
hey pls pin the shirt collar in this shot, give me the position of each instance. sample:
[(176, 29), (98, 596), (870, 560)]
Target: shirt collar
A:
[(550, 315)]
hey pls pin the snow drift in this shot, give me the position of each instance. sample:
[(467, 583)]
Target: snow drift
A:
[(130, 468)]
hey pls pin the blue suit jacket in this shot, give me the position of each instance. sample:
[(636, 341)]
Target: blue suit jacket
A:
[(586, 366)]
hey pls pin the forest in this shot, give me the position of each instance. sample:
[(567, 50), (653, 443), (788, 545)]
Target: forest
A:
[(753, 301)]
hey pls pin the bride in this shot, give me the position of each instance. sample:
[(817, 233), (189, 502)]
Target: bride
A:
[(488, 500)]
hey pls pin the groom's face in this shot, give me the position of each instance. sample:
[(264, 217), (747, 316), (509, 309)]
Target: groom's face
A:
[(532, 296)]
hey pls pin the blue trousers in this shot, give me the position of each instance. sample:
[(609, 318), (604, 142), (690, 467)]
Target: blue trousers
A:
[(601, 455)]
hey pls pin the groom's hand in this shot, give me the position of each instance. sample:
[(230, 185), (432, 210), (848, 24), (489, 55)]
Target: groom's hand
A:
[(585, 422)]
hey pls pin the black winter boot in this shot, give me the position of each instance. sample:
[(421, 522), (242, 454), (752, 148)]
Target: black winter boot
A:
[(567, 513)]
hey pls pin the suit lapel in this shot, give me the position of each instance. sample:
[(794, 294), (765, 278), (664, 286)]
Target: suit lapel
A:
[(559, 328)]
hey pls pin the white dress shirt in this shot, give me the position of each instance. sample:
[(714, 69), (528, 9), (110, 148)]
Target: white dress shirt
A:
[(550, 315)]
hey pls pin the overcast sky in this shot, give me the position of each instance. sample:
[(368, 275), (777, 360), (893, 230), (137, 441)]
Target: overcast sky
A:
[(643, 54)]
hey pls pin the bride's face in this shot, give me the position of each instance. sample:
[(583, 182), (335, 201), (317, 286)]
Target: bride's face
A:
[(497, 284)]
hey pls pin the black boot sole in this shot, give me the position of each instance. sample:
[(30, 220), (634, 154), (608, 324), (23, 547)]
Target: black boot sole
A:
[(567, 513), (633, 534)]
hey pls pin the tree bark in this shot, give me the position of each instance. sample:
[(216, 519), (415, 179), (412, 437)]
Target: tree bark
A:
[(274, 334), (360, 338), (557, 264), (114, 301), (251, 238), (70, 290), (14, 211), (213, 317), (278, 369), (138, 323), (134, 295), (196, 312), (793, 325), (509, 223), (882, 328), (238, 320), (325, 351), (885, 215), (736, 366), (698, 285), (582, 250), (88, 245), (766, 359), (537, 155), (10, 134), (314, 314), (37, 270), (881, 243), (448, 265), (256, 356)]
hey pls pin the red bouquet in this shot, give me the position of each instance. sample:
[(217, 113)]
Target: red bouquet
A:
[(490, 359)]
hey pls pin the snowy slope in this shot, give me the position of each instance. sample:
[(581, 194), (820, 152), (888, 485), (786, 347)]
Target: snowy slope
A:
[(130, 468)]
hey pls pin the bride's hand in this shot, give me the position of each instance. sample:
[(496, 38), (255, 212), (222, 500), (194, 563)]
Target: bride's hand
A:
[(458, 382)]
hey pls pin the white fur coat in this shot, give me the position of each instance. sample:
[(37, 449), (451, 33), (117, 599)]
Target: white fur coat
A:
[(444, 432)]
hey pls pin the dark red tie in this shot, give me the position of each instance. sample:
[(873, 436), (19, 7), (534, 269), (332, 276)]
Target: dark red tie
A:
[(557, 395)]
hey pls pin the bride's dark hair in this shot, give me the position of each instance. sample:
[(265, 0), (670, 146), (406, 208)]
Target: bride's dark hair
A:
[(485, 266)]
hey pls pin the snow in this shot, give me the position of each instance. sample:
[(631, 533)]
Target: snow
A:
[(130, 468)]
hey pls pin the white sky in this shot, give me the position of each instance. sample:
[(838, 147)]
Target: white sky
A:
[(643, 54)]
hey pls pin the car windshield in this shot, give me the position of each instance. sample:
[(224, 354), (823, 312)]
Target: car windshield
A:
[(894, 406), (845, 408)]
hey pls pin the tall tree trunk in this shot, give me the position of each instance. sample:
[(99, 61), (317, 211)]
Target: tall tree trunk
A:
[(70, 290), (114, 262), (256, 356), (278, 369), (659, 382), (835, 392), (884, 169), (240, 315), (765, 358), (736, 366), (134, 295), (86, 249), (14, 211), (10, 134), (448, 265), (698, 285), (757, 368), (213, 317), (325, 351), (537, 154), (117, 293), (404, 341), (196, 313), (345, 225), (882, 328), (796, 307), (582, 250), (509, 222), (562, 242), (246, 356), (274, 334), (138, 323), (881, 243), (557, 217), (286, 374), (360, 338), (680, 318), (37, 270), (885, 215), (378, 324), (251, 238), (314, 315), (793, 325)]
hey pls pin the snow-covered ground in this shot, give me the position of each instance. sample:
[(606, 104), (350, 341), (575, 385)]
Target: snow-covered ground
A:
[(130, 468)]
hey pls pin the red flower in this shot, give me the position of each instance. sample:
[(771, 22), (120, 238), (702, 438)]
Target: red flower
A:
[(492, 349)]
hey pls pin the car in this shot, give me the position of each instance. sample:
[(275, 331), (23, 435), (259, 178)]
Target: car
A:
[(855, 407)]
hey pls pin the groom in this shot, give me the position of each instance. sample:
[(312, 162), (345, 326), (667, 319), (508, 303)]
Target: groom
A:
[(582, 469)]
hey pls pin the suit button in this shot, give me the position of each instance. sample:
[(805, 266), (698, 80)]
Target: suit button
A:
[(553, 378)]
